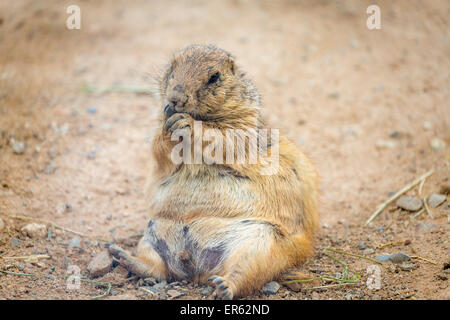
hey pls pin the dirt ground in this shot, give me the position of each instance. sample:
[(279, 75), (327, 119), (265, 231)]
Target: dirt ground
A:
[(364, 104)]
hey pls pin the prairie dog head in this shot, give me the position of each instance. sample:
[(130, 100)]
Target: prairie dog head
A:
[(205, 82)]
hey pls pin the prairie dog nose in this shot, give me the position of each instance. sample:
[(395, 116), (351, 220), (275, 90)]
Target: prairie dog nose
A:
[(176, 97)]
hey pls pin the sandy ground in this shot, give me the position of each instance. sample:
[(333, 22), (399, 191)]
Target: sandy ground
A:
[(364, 104)]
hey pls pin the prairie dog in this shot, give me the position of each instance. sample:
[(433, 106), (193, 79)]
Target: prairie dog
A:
[(222, 223)]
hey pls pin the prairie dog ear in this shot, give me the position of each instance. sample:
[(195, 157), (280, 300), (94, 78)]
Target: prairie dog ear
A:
[(232, 64)]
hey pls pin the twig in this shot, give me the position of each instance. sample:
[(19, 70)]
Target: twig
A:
[(398, 194), (335, 259), (332, 286), (18, 273), (424, 259), (324, 277), (33, 257), (421, 186), (417, 214), (146, 290), (397, 243), (354, 255), (56, 226), (426, 208), (117, 88), (98, 283)]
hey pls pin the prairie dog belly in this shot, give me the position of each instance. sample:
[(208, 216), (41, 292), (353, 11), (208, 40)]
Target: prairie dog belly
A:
[(215, 192)]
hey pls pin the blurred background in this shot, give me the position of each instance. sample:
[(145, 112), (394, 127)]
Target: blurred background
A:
[(77, 107)]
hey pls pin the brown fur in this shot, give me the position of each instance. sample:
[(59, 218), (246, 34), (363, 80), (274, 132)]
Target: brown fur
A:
[(227, 222)]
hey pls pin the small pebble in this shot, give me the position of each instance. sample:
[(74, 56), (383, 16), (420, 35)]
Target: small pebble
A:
[(173, 293), (160, 285), (207, 291), (354, 43), (361, 246), (92, 110), (35, 230), (409, 203), (15, 242), (437, 144), (435, 200), (427, 125), (91, 155), (152, 289), (395, 257), (271, 288), (74, 243), (150, 281), (408, 267), (315, 296), (368, 251), (50, 168), (348, 296), (18, 147)]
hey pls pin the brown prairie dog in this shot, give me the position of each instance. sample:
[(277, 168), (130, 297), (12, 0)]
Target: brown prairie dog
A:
[(220, 221)]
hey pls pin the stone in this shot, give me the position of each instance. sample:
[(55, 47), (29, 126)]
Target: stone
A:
[(174, 293), (150, 281), (18, 147), (50, 168), (399, 257), (271, 288), (409, 203), (408, 267), (437, 144), (35, 230), (100, 265), (74, 243), (368, 251), (160, 285), (361, 246), (15, 242), (435, 200), (207, 291), (395, 257)]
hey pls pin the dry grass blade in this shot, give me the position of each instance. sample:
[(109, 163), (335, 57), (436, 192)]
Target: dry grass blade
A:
[(146, 290), (331, 286), (424, 259), (354, 255), (398, 194), (426, 208), (30, 258), (18, 273)]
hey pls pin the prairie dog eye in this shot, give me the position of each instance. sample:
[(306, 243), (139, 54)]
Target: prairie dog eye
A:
[(214, 78)]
